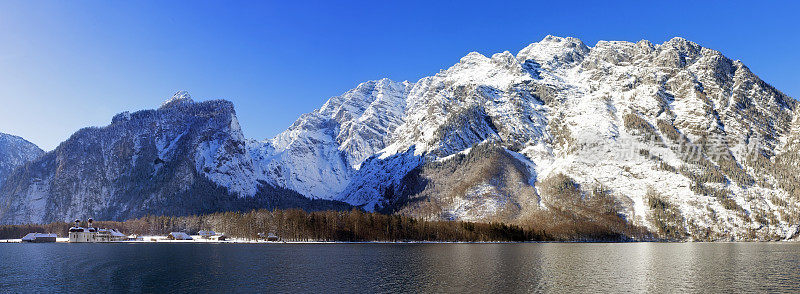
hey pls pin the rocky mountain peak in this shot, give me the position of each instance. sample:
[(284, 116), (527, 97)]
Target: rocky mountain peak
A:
[(645, 45), (553, 51), (179, 98)]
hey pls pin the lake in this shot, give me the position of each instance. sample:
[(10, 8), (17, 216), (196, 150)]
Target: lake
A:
[(430, 268)]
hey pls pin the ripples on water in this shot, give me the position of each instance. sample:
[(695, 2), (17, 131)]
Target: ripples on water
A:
[(430, 268)]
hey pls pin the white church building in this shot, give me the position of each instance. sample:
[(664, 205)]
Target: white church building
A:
[(89, 234)]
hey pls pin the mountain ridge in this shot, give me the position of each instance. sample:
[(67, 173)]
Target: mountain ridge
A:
[(14, 152), (642, 131)]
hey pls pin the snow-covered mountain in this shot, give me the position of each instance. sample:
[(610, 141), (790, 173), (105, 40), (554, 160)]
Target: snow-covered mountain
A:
[(185, 157), (319, 153), (674, 124), (674, 137), (14, 152)]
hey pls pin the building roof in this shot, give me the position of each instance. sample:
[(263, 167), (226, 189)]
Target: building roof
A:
[(33, 236), (180, 236), (113, 232)]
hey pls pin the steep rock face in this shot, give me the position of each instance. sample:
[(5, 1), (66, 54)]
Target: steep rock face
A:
[(318, 154), (182, 158), (781, 169), (380, 179), (14, 152)]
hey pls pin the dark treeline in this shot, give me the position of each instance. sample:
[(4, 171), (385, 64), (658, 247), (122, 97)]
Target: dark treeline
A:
[(299, 225)]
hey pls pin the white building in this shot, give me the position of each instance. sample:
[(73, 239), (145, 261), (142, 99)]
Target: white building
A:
[(78, 234)]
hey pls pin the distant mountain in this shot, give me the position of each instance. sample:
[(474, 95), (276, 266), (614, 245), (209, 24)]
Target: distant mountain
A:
[(673, 138), (183, 158), (15, 151)]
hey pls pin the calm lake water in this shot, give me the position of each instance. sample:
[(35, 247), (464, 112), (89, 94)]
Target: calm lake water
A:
[(430, 268)]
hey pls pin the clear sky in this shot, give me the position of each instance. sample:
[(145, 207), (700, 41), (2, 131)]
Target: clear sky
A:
[(70, 64)]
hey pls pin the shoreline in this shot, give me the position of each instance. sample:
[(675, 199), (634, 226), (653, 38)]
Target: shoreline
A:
[(245, 241), (19, 241)]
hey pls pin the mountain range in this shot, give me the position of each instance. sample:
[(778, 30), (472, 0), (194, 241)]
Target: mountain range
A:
[(673, 139)]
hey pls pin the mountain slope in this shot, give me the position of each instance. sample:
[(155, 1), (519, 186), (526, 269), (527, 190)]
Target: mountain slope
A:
[(15, 151), (318, 154)]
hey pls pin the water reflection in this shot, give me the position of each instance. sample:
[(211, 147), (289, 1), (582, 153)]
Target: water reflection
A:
[(382, 268)]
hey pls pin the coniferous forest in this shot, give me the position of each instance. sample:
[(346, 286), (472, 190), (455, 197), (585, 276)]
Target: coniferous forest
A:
[(298, 225)]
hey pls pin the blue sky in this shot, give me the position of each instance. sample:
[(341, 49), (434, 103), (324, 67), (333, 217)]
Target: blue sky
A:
[(70, 64)]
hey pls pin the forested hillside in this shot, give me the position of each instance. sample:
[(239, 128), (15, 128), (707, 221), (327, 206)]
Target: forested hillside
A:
[(354, 225)]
